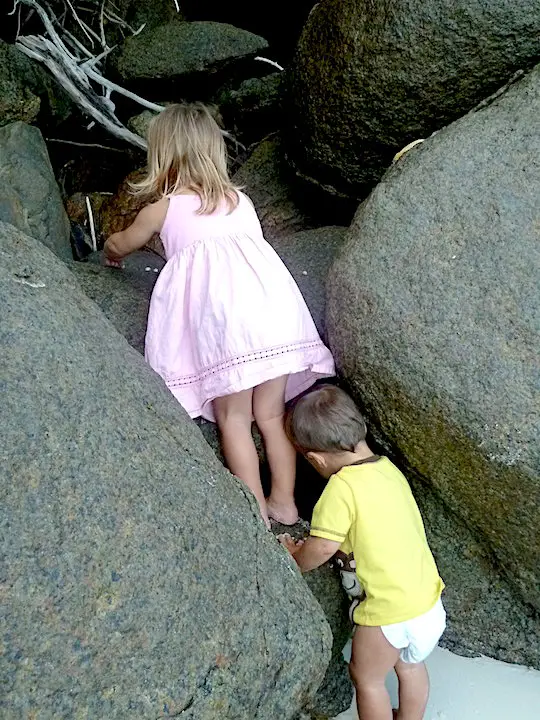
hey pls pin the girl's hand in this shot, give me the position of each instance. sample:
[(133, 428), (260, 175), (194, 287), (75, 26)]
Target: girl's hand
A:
[(109, 262), (293, 546)]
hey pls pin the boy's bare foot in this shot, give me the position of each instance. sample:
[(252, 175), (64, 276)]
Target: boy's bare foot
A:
[(284, 514)]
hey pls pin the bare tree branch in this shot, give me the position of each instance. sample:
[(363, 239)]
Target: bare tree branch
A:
[(77, 86), (74, 68)]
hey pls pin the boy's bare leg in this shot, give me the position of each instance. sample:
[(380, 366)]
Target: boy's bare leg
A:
[(372, 659), (234, 417), (269, 413), (413, 690)]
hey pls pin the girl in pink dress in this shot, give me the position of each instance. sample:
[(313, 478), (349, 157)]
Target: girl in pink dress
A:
[(228, 330)]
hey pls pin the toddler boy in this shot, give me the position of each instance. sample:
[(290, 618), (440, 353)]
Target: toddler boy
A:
[(367, 509)]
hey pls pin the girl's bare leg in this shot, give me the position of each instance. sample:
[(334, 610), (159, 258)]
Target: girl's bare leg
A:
[(269, 413), (413, 690), (372, 659), (234, 417)]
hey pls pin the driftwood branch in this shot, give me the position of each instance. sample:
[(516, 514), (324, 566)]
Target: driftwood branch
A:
[(63, 141), (91, 223), (77, 85), (270, 62), (75, 67)]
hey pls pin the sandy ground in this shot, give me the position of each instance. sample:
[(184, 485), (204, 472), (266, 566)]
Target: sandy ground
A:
[(474, 689)]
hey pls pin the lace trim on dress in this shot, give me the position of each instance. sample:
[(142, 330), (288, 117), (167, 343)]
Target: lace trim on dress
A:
[(207, 372)]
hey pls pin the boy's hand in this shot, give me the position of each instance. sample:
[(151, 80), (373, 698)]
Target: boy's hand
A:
[(311, 552), (293, 546)]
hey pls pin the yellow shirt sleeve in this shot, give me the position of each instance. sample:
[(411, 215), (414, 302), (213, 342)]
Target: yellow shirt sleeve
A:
[(334, 513)]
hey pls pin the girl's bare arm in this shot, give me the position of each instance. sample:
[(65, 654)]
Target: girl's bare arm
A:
[(149, 221)]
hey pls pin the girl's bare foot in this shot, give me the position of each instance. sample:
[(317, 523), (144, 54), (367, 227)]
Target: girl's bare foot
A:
[(281, 513), (265, 517)]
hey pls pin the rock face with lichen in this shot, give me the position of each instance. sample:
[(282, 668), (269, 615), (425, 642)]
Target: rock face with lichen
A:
[(27, 91), (370, 77), (18, 78), (114, 580), (433, 319)]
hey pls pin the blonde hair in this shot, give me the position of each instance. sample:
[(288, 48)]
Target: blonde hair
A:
[(186, 151)]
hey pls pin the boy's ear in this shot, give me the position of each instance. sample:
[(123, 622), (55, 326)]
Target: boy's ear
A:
[(317, 460)]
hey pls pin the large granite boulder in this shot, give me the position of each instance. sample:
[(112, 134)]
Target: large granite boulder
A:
[(177, 49), (138, 579), (335, 693), (123, 296), (29, 196), (370, 77), (486, 614), (434, 320)]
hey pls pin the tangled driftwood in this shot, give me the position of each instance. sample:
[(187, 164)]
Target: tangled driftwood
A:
[(76, 67)]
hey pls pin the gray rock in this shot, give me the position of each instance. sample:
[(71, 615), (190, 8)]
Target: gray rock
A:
[(309, 255), (433, 318), (122, 295), (140, 123), (367, 80), (253, 110), (139, 580), (29, 196), (176, 49), (266, 180)]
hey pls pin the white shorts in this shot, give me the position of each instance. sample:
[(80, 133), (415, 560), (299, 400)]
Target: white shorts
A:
[(416, 638)]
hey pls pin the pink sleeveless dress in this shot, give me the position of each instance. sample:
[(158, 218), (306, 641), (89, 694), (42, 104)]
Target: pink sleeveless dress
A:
[(225, 314)]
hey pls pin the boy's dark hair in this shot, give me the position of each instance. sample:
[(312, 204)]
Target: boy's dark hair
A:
[(325, 419)]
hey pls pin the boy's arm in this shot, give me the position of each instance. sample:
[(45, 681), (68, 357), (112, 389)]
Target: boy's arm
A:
[(149, 221), (310, 553)]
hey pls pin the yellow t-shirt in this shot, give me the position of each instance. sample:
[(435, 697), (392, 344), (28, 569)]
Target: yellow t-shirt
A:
[(370, 509)]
